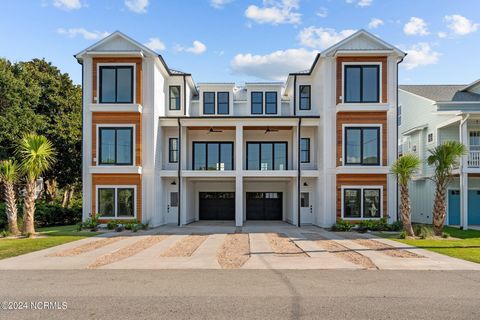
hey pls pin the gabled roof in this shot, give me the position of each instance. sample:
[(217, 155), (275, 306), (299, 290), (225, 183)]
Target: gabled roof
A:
[(471, 85), (442, 93)]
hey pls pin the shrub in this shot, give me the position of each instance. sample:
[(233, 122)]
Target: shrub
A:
[(403, 235), (445, 235), (112, 224), (5, 233), (396, 226), (374, 225), (342, 225), (91, 223), (423, 231), (119, 228)]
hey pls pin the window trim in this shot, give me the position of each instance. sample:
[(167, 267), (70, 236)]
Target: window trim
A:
[(360, 64), (218, 102), (100, 66), (214, 102), (300, 87), (345, 126), (99, 144), (361, 188), (273, 154), (116, 187), (433, 137), (170, 97), (308, 150), (170, 160), (276, 102), (219, 153), (251, 102)]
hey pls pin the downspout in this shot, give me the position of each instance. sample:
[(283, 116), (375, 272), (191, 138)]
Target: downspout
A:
[(295, 95), (184, 96), (396, 140), (298, 168), (179, 166)]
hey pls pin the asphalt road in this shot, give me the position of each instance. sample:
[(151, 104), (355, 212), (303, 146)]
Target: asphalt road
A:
[(240, 294)]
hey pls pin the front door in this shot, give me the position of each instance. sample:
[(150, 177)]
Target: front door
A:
[(172, 206), (306, 208), (454, 207)]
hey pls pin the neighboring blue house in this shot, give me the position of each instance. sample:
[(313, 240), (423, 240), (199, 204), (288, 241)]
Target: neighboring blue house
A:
[(427, 116)]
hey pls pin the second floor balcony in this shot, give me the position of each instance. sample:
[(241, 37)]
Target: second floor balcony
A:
[(474, 159)]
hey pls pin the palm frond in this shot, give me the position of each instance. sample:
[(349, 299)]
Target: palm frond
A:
[(405, 167), (9, 171), (37, 155)]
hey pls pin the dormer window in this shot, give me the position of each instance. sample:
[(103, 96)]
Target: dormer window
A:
[(209, 103), (271, 102), (305, 101), (361, 84), (174, 98), (116, 84), (223, 102), (257, 102)]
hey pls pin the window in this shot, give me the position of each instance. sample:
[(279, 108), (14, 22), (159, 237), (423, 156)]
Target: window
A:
[(361, 83), (399, 115), (305, 100), (362, 146), (304, 199), (116, 146), (174, 97), (213, 156), (173, 150), (360, 203), (173, 199), (209, 103), (257, 102), (116, 84), (474, 140), (271, 102), (116, 202), (305, 150), (223, 102), (430, 138), (267, 156)]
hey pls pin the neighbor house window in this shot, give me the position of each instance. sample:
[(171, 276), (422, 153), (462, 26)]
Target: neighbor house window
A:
[(116, 84), (174, 98), (116, 202), (271, 102), (213, 156), (173, 150), (267, 156), (209, 103), (305, 150), (116, 146), (223, 102), (399, 115), (359, 203), (361, 83), (362, 146), (305, 98), (430, 138), (257, 102)]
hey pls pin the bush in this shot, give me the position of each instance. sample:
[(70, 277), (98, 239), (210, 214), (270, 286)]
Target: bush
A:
[(342, 225), (445, 235), (112, 224), (396, 226), (403, 235), (91, 223), (423, 231), (374, 225)]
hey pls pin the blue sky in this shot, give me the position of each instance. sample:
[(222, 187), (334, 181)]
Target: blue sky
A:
[(249, 40)]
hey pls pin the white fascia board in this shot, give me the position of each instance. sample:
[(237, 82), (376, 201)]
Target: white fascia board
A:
[(115, 169), (362, 169), (365, 52), (415, 129), (449, 122), (117, 107), (117, 53), (362, 107)]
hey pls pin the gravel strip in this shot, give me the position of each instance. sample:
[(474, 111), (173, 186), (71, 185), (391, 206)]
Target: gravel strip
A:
[(185, 247), (87, 247), (235, 251), (342, 251), (127, 251), (283, 246)]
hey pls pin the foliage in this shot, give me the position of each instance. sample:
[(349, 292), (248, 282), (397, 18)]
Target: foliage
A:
[(112, 224), (374, 225), (91, 223), (130, 225), (342, 225), (405, 167), (396, 226), (36, 154), (423, 231), (445, 235)]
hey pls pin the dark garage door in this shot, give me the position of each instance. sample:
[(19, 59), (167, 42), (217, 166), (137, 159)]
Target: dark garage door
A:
[(264, 206), (217, 206)]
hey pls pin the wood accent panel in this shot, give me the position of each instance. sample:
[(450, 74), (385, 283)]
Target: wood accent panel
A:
[(374, 117), (339, 76), (361, 180), (138, 74), (117, 180), (134, 118)]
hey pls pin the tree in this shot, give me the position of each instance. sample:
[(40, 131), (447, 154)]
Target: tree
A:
[(9, 177), (444, 158), (37, 156), (404, 168)]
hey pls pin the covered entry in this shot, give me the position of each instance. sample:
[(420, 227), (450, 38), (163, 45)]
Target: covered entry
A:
[(217, 205), (264, 205)]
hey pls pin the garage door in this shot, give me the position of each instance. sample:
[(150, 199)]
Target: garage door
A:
[(217, 206), (454, 207), (264, 206)]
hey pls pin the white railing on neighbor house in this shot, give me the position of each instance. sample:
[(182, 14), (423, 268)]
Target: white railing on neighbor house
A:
[(474, 159)]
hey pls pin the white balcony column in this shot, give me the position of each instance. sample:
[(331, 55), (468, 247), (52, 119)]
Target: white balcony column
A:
[(183, 149), (464, 177), (239, 176)]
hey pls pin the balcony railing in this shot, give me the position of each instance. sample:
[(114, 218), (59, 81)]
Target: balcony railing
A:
[(474, 159)]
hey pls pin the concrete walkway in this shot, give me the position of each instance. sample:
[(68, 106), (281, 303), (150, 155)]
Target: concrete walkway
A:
[(316, 249)]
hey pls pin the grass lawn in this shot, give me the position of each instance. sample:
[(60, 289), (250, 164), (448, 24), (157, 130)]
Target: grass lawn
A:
[(467, 247), (54, 236)]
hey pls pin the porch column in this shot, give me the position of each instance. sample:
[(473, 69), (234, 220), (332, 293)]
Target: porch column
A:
[(463, 175), (239, 175)]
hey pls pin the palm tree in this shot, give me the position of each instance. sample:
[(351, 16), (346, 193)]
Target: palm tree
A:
[(37, 156), (445, 158), (404, 168), (9, 177)]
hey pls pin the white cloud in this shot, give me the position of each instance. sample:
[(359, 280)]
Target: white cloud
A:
[(461, 25), (219, 4), (442, 34), (155, 44), (275, 12), (137, 6), (420, 54), (375, 23), (272, 66), (361, 3), (67, 4), (416, 26), (322, 12), (87, 35), (322, 38), (196, 48)]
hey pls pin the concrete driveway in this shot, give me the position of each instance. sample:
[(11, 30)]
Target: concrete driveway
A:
[(219, 246)]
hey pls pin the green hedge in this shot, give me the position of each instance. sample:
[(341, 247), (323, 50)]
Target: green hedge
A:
[(47, 215)]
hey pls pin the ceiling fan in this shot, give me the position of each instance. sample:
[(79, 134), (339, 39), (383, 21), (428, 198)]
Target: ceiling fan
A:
[(212, 130), (270, 130)]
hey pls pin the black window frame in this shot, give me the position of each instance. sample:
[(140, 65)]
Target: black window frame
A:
[(115, 200), (179, 98), (218, 102), (132, 146), (251, 101), (100, 70), (273, 154), (362, 205), (172, 151), (267, 103), (213, 103), (220, 143), (360, 66), (309, 98), (345, 147), (305, 150)]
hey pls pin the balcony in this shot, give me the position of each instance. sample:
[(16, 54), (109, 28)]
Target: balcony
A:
[(474, 159)]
